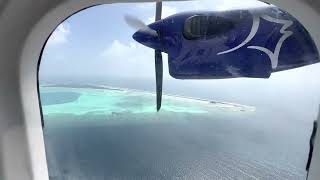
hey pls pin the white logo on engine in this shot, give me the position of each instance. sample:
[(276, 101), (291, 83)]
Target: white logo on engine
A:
[(274, 56)]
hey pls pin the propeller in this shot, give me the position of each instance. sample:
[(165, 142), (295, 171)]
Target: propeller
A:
[(137, 24), (159, 62), (147, 34)]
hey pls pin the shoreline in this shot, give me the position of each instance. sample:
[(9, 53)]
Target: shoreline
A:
[(105, 87)]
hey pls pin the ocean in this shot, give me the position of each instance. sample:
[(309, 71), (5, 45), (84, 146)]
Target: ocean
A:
[(98, 133)]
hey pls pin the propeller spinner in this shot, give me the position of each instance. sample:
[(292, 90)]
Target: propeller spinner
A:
[(146, 35)]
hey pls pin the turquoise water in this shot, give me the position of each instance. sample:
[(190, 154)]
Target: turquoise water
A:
[(97, 134), (80, 101)]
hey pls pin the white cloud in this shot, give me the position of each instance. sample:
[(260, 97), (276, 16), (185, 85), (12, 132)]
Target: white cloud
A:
[(166, 11), (145, 6), (129, 60), (237, 4), (170, 8), (222, 5), (60, 35)]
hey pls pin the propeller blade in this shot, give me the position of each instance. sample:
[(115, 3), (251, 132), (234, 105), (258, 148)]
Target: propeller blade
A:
[(158, 10), (139, 25), (159, 77), (134, 22), (158, 62)]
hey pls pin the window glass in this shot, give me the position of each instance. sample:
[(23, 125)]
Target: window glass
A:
[(97, 89)]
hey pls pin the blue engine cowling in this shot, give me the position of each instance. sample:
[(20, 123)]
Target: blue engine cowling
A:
[(237, 43)]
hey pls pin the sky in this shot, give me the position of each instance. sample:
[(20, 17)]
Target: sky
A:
[(97, 43)]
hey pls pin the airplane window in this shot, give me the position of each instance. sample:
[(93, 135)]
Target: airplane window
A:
[(125, 97)]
